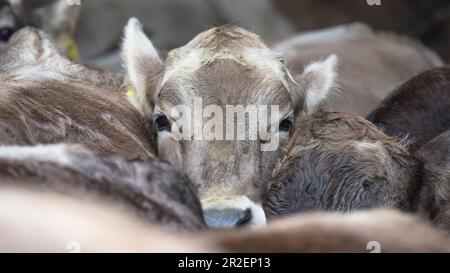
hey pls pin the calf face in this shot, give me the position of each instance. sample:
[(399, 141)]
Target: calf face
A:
[(341, 162), (418, 109), (47, 99), (224, 70), (434, 196), (151, 190)]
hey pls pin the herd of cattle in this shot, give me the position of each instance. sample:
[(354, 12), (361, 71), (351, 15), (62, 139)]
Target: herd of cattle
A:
[(91, 156)]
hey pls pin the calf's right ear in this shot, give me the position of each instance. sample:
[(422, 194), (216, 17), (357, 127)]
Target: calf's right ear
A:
[(143, 67), (316, 83)]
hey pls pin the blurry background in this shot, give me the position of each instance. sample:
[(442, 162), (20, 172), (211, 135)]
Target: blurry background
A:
[(172, 23)]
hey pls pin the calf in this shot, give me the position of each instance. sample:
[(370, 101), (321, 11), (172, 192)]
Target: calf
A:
[(223, 70), (340, 162), (418, 109), (372, 64), (372, 231), (47, 99), (151, 190)]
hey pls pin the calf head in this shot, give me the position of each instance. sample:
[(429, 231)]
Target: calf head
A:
[(340, 162), (206, 99)]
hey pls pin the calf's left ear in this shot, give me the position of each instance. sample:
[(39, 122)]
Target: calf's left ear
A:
[(143, 66), (316, 83)]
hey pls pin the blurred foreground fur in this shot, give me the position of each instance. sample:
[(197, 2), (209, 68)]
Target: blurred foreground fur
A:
[(42, 222), (342, 162), (416, 110)]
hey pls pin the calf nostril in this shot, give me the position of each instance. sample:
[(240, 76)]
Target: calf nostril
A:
[(227, 218), (245, 218)]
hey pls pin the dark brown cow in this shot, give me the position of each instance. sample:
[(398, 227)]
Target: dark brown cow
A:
[(340, 162), (46, 99), (151, 190), (417, 110)]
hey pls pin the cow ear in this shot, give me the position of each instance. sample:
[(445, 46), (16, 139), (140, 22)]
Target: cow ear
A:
[(143, 66), (317, 82), (28, 46)]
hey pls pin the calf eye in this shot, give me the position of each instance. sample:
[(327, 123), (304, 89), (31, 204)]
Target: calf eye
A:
[(6, 33), (285, 126), (162, 123)]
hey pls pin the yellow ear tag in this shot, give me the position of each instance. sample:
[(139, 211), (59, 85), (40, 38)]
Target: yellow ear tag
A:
[(131, 92), (71, 48)]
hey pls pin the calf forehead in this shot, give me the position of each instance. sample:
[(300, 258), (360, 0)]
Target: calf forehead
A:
[(227, 82), (231, 43)]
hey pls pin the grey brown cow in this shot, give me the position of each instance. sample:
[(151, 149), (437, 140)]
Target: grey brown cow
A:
[(223, 66)]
